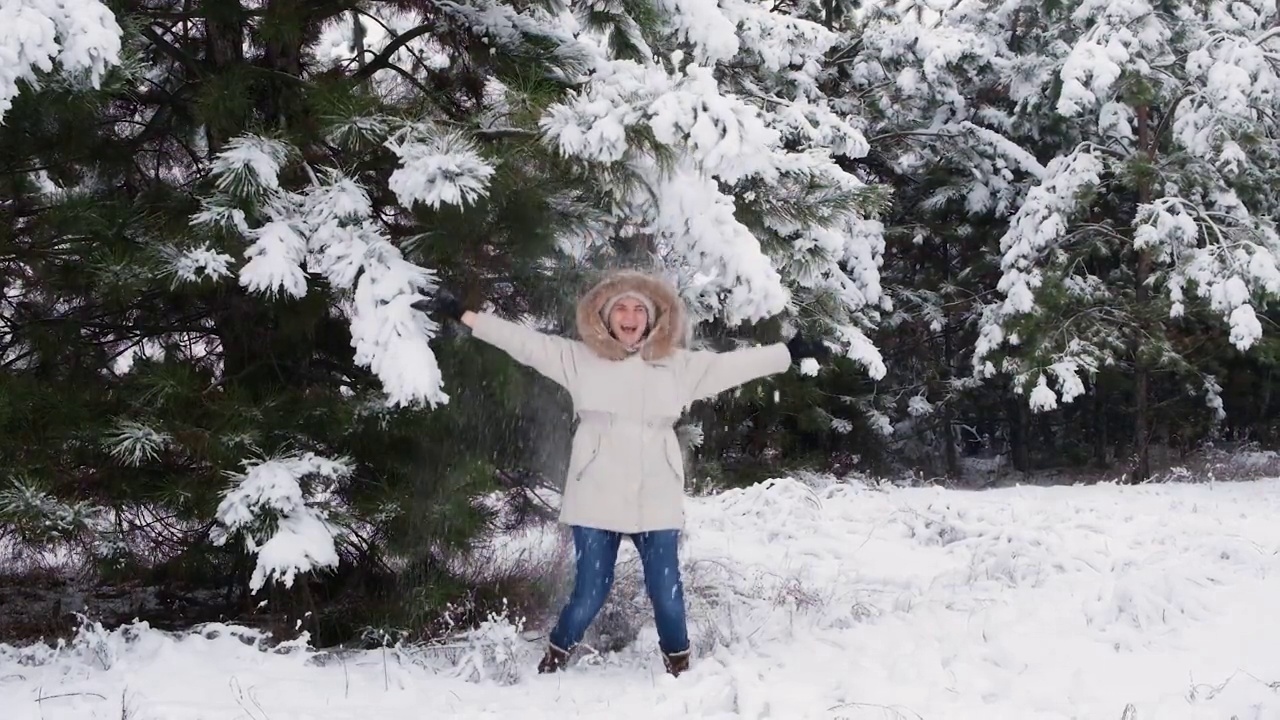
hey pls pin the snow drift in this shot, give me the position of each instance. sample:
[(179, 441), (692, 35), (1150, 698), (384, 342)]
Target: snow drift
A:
[(820, 600)]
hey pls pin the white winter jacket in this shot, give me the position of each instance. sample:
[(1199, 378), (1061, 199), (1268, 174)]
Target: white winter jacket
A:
[(626, 472)]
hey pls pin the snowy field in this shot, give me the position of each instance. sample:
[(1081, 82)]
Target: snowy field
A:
[(839, 601)]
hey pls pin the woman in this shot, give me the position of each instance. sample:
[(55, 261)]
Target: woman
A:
[(630, 379)]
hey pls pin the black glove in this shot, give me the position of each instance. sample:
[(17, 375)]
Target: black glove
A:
[(443, 304), (801, 348)]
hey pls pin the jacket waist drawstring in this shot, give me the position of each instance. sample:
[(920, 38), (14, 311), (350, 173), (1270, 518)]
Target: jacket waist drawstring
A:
[(609, 419)]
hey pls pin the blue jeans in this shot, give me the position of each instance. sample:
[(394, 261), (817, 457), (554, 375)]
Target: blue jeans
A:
[(595, 553)]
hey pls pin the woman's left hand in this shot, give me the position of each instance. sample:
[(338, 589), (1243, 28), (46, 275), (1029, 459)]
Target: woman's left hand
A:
[(445, 304)]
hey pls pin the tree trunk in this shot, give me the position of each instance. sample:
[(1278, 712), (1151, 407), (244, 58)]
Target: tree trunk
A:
[(1099, 424), (948, 412), (224, 47), (1142, 372), (1141, 425), (1264, 407), (949, 440), (1018, 452)]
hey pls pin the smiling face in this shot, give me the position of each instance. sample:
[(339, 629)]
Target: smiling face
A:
[(628, 321)]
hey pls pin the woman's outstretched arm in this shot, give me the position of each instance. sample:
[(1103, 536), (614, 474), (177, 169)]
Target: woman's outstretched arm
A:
[(554, 357), (551, 356), (710, 373)]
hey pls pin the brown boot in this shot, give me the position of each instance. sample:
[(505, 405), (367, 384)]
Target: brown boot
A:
[(676, 662), (553, 660)]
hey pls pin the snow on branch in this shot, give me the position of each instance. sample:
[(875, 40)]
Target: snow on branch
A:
[(132, 442), (698, 220), (42, 518), (781, 41), (1233, 83), (1003, 147), (719, 30), (249, 167), (80, 36), (862, 351), (1235, 264), (1120, 38), (1070, 385), (329, 229), (702, 24), (1035, 230), (842, 260), (817, 124), (286, 526), (218, 213), (1040, 223), (193, 264), (389, 336), (1088, 74), (275, 259), (526, 30), (437, 168), (724, 135)]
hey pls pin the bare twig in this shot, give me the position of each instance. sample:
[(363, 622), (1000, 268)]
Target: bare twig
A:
[(42, 698), (889, 708)]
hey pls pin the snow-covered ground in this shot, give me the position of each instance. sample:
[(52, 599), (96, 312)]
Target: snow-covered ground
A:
[(836, 601)]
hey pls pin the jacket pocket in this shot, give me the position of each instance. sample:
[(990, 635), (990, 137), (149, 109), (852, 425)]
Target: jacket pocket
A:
[(675, 459), (583, 465)]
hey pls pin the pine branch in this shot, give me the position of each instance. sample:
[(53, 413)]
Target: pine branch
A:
[(184, 58), (406, 75), (167, 14), (17, 359), (505, 132), (382, 61)]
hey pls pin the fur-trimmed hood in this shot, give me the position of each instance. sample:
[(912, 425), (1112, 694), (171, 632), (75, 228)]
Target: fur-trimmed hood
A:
[(667, 331)]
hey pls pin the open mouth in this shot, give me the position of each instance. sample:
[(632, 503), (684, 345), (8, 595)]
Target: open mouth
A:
[(629, 329)]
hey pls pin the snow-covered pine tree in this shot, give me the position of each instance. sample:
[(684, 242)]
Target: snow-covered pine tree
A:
[(727, 166), (211, 265), (954, 100), (929, 89), (270, 186), (54, 83), (722, 153), (1155, 207)]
